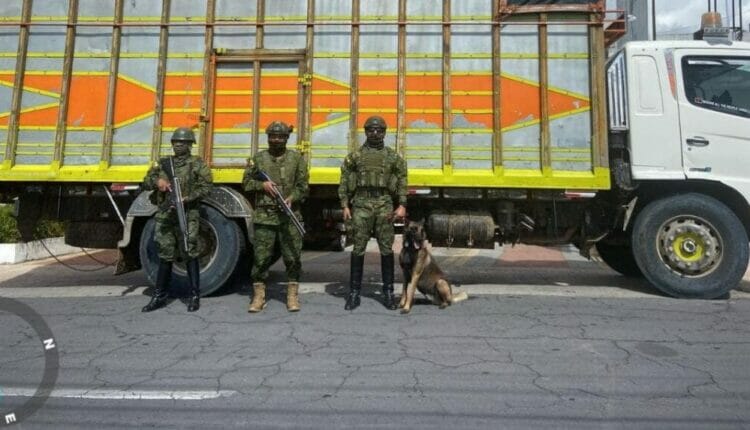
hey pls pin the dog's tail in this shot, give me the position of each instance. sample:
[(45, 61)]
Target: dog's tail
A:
[(460, 297)]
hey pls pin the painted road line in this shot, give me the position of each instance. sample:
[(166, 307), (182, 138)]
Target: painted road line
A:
[(559, 290), (122, 394), (72, 291)]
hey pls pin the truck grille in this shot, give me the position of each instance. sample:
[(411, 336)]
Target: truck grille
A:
[(617, 93)]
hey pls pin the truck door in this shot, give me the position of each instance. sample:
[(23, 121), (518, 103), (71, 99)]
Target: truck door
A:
[(249, 92), (714, 100)]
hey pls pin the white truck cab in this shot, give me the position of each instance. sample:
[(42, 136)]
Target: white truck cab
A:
[(690, 111), (679, 111)]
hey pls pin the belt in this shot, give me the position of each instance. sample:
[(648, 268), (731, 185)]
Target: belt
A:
[(371, 192)]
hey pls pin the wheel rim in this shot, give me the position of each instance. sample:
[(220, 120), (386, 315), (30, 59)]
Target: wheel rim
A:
[(690, 246), (208, 250)]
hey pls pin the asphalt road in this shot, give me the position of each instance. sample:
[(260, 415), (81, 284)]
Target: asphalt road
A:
[(546, 340)]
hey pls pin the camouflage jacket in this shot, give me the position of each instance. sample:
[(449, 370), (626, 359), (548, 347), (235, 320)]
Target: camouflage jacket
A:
[(290, 174), (393, 178), (195, 180)]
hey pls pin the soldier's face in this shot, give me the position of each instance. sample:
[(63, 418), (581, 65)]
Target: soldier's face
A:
[(277, 143), (181, 147), (375, 134)]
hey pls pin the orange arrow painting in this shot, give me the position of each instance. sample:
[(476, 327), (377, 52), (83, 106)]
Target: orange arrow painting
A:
[(471, 97)]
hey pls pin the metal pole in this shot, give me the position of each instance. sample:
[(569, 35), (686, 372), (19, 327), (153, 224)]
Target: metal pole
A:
[(161, 73), (545, 156), (742, 30), (447, 84), (67, 76), (401, 80), (208, 44), (257, 70), (114, 67), (653, 19), (14, 121), (354, 76), (497, 132)]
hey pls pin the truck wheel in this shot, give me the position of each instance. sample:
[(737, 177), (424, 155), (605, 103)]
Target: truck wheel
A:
[(690, 246), (221, 248), (619, 257), (338, 243)]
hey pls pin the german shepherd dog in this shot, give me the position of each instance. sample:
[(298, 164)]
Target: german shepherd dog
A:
[(422, 272)]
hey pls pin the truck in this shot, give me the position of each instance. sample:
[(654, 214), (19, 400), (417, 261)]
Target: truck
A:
[(515, 125)]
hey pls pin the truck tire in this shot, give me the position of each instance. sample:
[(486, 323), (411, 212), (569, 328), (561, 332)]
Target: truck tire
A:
[(338, 243), (222, 246), (690, 246), (619, 257)]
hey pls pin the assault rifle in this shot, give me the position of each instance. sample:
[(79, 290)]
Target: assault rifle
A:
[(263, 176), (175, 198)]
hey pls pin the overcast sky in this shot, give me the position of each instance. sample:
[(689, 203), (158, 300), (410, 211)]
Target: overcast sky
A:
[(683, 16)]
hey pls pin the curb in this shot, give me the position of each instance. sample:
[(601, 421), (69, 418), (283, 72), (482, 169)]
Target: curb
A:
[(13, 253)]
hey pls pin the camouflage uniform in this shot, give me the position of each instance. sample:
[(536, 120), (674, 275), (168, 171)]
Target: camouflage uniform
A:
[(373, 182), (195, 184), (195, 179), (289, 172)]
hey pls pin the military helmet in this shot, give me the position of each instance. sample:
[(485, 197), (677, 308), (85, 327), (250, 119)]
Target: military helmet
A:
[(375, 121), (183, 134), (278, 127)]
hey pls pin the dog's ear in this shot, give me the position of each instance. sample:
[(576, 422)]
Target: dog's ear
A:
[(421, 232)]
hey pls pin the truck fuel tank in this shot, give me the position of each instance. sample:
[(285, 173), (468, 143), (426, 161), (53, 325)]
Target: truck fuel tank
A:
[(463, 229)]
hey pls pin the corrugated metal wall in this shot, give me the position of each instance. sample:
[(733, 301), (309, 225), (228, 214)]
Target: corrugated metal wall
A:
[(94, 96)]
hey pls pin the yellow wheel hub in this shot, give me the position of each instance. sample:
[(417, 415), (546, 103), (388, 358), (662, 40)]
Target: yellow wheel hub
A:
[(689, 247)]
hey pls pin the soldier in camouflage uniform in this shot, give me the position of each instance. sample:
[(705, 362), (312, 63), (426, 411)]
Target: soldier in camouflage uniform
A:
[(288, 171), (195, 180), (373, 183)]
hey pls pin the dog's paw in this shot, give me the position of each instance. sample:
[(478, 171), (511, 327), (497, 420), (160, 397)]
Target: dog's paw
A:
[(405, 310)]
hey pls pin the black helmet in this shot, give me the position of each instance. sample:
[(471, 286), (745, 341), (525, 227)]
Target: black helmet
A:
[(375, 121), (183, 134), (278, 127)]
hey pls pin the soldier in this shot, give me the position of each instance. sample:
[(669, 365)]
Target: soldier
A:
[(288, 171), (195, 179), (373, 182)]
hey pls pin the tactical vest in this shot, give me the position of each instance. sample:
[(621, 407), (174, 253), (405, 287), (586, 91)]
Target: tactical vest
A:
[(372, 171), (282, 173), (183, 172)]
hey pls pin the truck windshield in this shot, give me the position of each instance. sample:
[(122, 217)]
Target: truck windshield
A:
[(718, 83)]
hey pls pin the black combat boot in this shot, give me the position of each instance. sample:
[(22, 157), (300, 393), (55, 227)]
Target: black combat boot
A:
[(386, 270), (194, 270), (355, 281), (159, 296)]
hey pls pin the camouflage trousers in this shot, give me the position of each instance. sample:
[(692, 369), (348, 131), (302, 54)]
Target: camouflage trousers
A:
[(290, 242), (372, 217), (168, 237)]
